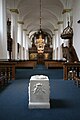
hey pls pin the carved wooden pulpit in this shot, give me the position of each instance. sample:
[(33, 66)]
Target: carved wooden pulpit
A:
[(69, 52)]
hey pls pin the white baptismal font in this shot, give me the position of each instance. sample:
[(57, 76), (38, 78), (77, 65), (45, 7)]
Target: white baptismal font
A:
[(39, 92)]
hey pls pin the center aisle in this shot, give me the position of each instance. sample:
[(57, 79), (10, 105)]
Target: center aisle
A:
[(26, 73)]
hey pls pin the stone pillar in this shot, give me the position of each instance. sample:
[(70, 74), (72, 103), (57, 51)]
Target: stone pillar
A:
[(60, 40), (27, 46), (53, 44), (3, 30), (56, 43), (14, 17), (20, 37), (24, 42)]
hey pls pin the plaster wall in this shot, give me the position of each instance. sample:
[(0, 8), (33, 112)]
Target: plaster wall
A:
[(76, 26)]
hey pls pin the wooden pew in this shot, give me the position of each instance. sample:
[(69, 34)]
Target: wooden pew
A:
[(26, 64), (10, 67), (54, 64), (21, 64)]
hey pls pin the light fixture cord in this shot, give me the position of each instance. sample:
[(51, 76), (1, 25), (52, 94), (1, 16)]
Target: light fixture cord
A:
[(40, 14)]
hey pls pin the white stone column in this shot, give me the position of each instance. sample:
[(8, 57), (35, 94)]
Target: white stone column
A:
[(14, 28), (27, 46), (53, 44), (24, 42), (60, 40), (56, 43), (3, 30), (20, 37), (66, 18)]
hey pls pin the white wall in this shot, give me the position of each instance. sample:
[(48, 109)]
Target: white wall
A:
[(76, 26)]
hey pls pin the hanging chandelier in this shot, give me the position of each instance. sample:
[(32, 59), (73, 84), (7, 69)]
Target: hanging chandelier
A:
[(40, 32)]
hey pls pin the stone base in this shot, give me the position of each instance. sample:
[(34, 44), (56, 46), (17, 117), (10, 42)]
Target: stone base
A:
[(39, 105), (39, 92)]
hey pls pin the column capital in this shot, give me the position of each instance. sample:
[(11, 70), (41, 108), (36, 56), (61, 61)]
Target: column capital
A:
[(20, 22), (24, 29), (53, 34), (14, 10), (55, 29), (66, 10), (27, 34), (60, 22)]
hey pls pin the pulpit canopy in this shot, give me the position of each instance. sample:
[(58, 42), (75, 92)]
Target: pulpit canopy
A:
[(67, 32)]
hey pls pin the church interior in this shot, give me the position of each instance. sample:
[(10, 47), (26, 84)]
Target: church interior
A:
[(39, 37)]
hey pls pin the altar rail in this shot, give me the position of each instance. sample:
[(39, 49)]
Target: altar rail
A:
[(71, 67)]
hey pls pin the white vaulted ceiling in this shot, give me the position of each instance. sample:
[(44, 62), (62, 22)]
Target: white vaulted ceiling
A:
[(29, 13)]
